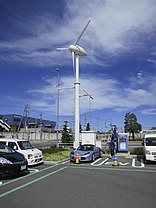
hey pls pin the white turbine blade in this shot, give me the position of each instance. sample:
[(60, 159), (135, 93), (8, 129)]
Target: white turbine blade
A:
[(82, 33), (61, 49), (73, 61)]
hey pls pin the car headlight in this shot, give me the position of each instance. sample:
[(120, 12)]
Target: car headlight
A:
[(147, 152), (30, 156), (5, 161)]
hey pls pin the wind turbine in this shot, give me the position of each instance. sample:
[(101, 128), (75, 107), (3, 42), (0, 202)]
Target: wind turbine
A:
[(76, 52)]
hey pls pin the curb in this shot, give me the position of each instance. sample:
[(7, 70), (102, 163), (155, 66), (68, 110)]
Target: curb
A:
[(55, 162)]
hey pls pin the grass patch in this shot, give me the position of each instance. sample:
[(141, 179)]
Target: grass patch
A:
[(55, 154)]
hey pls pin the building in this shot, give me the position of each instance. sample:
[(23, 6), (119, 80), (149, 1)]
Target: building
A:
[(19, 123)]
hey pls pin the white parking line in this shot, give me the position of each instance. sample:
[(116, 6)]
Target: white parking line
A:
[(96, 161), (142, 164), (99, 163), (33, 170), (123, 163), (65, 162), (104, 161)]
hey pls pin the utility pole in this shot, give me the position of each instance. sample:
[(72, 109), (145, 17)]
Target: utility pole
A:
[(58, 102), (24, 116), (41, 126)]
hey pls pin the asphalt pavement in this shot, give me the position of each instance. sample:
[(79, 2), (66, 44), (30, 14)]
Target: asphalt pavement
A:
[(90, 185)]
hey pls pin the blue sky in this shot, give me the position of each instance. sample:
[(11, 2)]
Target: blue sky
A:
[(119, 71)]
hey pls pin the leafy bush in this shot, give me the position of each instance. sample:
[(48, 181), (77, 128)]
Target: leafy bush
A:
[(135, 139), (137, 151)]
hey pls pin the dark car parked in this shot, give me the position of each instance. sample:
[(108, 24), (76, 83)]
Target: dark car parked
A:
[(11, 162)]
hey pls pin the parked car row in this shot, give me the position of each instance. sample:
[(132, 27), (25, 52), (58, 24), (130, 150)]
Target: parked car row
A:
[(17, 154)]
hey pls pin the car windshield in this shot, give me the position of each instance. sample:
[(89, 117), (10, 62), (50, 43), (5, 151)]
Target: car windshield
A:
[(25, 145), (5, 149), (86, 148), (151, 141)]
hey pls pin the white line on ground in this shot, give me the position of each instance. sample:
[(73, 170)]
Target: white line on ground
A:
[(104, 161), (96, 161), (33, 170), (133, 164), (142, 163), (65, 162), (123, 163)]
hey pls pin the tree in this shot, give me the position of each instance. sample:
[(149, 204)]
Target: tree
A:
[(88, 127), (65, 134), (131, 124)]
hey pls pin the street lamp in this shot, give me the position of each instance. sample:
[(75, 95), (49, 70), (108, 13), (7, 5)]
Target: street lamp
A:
[(58, 103), (58, 85), (90, 97)]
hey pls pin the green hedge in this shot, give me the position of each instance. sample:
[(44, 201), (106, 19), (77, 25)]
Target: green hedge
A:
[(137, 151)]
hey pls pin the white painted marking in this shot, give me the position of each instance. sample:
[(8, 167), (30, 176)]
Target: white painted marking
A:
[(129, 157), (0, 183), (65, 162), (142, 163), (109, 163), (33, 170), (123, 163), (133, 164), (96, 161), (104, 161)]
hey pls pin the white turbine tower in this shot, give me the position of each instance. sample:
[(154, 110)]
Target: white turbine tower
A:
[(77, 51)]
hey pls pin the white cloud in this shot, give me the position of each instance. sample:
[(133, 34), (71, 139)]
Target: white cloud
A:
[(107, 93), (150, 111), (115, 27)]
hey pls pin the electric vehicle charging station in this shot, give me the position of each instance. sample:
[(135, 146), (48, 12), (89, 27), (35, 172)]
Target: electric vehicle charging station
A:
[(122, 142)]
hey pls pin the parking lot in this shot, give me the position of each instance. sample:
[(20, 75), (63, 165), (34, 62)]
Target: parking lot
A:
[(97, 184)]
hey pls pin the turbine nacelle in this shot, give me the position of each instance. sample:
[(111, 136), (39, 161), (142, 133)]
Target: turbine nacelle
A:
[(77, 50)]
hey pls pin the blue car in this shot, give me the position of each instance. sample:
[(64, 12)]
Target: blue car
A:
[(86, 152)]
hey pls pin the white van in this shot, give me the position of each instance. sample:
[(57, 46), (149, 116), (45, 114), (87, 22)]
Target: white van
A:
[(32, 154), (149, 146)]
